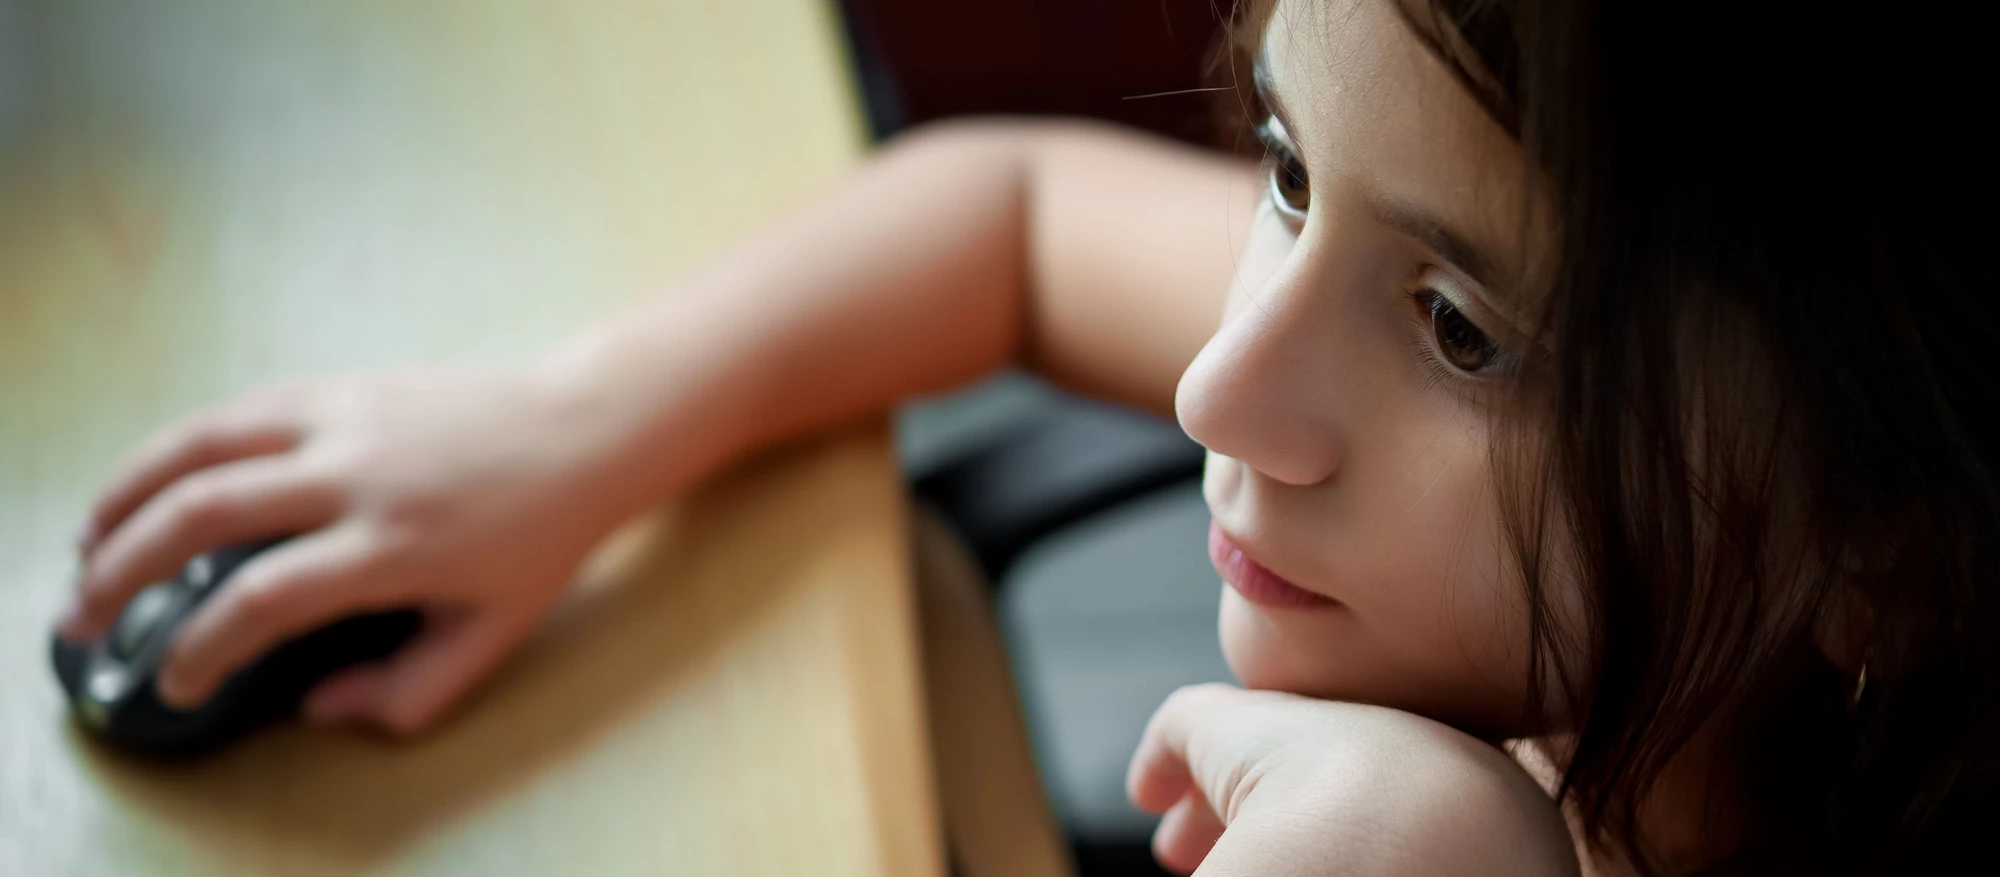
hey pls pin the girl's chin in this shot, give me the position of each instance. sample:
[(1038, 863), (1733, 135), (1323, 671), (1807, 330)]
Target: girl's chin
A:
[(1316, 657), (1260, 651)]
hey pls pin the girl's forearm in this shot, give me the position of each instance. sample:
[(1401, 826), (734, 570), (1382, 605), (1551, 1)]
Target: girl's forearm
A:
[(904, 279), (951, 253)]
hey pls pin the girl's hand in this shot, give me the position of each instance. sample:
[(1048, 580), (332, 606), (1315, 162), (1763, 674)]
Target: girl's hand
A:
[(1312, 787), (474, 495)]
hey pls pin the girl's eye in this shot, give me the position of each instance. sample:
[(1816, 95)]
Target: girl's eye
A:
[(1459, 343), (1291, 189)]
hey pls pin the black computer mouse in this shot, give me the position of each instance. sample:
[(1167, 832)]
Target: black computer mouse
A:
[(110, 679)]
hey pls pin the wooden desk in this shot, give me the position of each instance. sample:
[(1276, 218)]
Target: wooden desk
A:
[(201, 196)]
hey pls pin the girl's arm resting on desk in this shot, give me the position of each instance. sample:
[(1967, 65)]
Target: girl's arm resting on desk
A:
[(1278, 785), (1096, 257)]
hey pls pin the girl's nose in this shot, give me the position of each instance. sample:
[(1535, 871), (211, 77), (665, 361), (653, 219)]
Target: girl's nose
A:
[(1259, 391)]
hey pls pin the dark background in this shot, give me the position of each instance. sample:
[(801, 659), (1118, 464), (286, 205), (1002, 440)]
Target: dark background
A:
[(921, 60)]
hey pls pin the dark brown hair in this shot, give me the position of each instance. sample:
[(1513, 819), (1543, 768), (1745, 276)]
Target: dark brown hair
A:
[(1764, 416)]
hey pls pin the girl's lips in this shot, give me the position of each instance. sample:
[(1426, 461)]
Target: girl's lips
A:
[(1257, 584)]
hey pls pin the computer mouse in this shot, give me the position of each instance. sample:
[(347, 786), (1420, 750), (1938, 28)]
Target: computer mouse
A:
[(109, 680)]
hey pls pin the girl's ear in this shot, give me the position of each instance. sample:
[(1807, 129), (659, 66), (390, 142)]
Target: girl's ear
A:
[(1846, 632)]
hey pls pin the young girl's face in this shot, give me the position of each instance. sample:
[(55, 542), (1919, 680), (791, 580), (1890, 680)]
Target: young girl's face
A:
[(1347, 399)]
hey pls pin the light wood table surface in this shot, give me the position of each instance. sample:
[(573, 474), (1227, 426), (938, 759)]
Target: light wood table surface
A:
[(201, 196)]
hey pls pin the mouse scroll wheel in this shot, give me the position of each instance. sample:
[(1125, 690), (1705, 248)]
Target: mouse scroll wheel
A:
[(141, 617), (200, 572)]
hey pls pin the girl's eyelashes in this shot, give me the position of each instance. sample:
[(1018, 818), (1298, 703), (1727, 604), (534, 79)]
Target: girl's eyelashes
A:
[(1452, 342), (1291, 189), (1455, 341)]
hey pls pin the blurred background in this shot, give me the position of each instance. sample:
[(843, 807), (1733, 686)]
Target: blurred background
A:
[(1088, 518), (1116, 606)]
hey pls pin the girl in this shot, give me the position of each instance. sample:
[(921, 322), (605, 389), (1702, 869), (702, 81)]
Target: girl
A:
[(1600, 376)]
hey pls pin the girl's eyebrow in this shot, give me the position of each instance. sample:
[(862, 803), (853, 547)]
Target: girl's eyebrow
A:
[(1267, 92), (1459, 250)]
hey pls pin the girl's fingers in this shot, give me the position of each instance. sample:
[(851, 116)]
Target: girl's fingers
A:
[(257, 426), (1161, 774), (1204, 752), (1186, 834), (351, 695), (237, 502), (407, 694), (286, 592)]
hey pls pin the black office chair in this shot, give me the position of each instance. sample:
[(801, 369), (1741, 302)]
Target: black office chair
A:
[(1087, 687), (1022, 498)]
